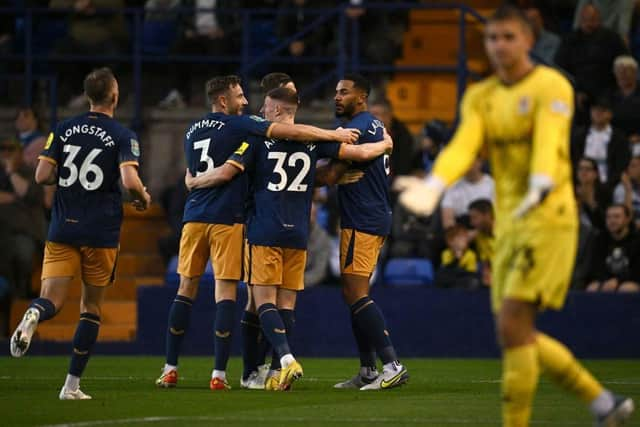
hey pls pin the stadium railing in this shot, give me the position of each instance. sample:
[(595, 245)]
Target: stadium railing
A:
[(345, 59)]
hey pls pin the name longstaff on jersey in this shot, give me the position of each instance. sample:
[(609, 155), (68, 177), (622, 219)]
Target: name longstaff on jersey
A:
[(88, 151), (364, 205), (89, 130), (282, 175), (208, 143)]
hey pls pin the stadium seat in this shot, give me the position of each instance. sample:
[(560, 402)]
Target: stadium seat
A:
[(408, 271)]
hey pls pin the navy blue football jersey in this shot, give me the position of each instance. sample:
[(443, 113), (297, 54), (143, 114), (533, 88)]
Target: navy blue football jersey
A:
[(208, 143), (88, 151), (365, 205), (282, 175)]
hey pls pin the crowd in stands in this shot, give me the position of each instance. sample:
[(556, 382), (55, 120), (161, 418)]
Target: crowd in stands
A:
[(596, 54), (23, 210)]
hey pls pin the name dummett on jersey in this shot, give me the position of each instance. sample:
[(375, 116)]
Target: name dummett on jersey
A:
[(96, 131), (204, 123)]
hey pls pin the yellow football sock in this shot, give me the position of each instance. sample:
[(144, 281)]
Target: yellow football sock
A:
[(556, 360), (519, 380)]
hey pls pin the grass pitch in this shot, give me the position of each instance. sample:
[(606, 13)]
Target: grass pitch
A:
[(440, 393)]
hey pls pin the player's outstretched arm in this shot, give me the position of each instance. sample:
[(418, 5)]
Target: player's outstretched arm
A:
[(46, 172), (214, 178), (366, 152), (133, 184), (312, 133)]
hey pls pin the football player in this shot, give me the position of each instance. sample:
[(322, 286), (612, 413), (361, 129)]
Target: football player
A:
[(85, 157)]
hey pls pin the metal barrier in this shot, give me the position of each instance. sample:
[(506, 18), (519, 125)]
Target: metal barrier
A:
[(347, 30)]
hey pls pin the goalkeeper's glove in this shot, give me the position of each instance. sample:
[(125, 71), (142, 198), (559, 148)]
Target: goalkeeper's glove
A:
[(421, 197), (539, 187)]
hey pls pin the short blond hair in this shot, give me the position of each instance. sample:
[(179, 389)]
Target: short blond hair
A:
[(625, 61)]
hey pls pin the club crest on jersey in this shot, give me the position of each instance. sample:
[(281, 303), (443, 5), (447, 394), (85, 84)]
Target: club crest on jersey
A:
[(135, 147), (560, 107), (257, 118), (524, 105), (49, 141)]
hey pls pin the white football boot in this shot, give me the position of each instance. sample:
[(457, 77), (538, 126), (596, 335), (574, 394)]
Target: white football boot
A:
[(21, 338)]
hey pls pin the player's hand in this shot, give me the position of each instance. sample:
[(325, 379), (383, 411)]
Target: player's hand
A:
[(347, 136), (421, 197), (351, 176), (403, 182), (143, 203), (539, 187), (189, 180)]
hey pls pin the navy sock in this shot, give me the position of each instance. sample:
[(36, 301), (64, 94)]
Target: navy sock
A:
[(289, 321), (250, 327), (179, 316), (45, 307), (366, 350), (370, 321), (274, 328), (225, 319), (83, 340), (264, 348)]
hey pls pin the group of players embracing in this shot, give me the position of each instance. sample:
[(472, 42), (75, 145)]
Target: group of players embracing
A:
[(251, 182)]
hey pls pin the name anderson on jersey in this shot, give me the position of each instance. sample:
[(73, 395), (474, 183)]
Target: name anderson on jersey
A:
[(96, 131)]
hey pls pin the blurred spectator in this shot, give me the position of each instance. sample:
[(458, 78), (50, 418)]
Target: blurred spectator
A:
[(547, 43), (587, 237), (90, 32), (616, 265), (591, 194), (605, 144), (434, 136), (318, 252), (405, 158), (314, 43), (616, 14), (626, 98), (32, 140), (21, 213), (205, 32), (481, 218), (473, 186), (627, 191), (173, 200), (379, 39), (459, 264), (588, 54)]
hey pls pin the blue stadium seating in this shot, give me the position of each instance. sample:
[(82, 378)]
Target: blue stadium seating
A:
[(409, 271)]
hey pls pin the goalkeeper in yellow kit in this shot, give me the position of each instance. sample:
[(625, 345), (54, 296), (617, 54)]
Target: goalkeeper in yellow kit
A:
[(521, 116)]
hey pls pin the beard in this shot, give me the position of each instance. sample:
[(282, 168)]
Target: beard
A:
[(347, 111)]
